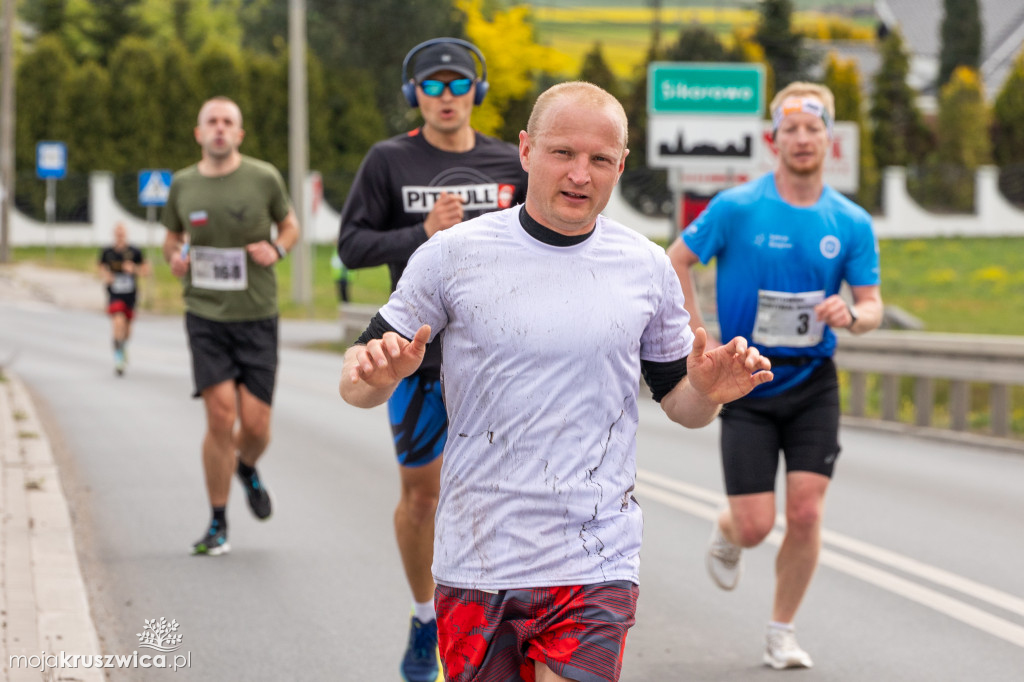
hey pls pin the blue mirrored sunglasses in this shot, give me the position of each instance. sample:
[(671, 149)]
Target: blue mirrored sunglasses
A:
[(458, 87)]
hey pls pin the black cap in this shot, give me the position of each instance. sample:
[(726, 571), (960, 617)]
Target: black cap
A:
[(444, 57)]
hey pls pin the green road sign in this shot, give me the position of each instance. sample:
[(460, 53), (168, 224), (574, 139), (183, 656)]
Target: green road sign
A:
[(705, 88)]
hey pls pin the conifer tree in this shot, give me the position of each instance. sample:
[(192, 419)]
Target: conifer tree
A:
[(783, 48), (179, 86), (842, 78), (635, 104), (90, 143), (46, 16), (355, 125), (596, 70), (899, 134), (113, 21), (321, 154), (963, 121), (963, 141), (961, 38), (266, 119), (136, 105), (1008, 117), (695, 43), (43, 113), (220, 70)]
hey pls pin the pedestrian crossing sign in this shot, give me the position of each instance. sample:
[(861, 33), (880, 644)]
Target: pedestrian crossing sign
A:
[(154, 186)]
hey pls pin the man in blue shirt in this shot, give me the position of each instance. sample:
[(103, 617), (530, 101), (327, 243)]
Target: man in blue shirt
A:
[(783, 244)]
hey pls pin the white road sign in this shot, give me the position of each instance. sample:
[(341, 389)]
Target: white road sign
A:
[(842, 165), (702, 141)]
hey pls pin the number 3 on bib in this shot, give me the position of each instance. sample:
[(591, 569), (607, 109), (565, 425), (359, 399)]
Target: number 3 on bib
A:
[(787, 319)]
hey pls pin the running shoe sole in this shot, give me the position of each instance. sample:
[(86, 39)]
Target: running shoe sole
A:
[(771, 661), (212, 551)]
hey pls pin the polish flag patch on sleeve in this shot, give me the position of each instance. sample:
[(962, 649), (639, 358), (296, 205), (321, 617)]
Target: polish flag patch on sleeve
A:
[(197, 218)]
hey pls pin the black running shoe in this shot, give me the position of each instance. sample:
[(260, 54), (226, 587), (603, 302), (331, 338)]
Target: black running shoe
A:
[(258, 496), (214, 542)]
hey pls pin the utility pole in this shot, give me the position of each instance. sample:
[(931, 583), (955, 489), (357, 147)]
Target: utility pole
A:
[(298, 151), (655, 25), (6, 130)]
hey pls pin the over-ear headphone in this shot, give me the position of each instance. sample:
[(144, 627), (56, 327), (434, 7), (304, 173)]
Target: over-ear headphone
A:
[(409, 85)]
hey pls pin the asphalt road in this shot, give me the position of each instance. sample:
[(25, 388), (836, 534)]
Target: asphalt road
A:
[(922, 577)]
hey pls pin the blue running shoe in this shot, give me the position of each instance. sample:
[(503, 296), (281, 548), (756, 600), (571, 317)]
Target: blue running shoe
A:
[(420, 663), (215, 542)]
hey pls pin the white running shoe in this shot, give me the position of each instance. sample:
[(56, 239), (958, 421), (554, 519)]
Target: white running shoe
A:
[(781, 650), (724, 560)]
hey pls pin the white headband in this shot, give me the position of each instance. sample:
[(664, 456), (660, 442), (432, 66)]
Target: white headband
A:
[(807, 105)]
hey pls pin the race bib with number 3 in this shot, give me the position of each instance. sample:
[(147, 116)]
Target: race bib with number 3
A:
[(219, 269), (787, 319)]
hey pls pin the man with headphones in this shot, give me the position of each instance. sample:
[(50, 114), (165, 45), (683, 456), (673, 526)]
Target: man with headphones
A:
[(409, 188)]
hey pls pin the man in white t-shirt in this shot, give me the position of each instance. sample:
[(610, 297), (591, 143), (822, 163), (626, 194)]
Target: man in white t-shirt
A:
[(550, 313)]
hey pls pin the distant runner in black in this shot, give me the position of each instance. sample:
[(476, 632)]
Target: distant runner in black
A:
[(120, 266)]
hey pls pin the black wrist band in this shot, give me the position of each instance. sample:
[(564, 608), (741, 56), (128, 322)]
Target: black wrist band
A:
[(281, 251)]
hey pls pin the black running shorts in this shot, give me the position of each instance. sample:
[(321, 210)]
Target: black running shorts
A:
[(802, 422), (245, 352)]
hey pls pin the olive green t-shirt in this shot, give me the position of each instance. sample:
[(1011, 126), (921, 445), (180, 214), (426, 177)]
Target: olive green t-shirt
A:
[(221, 215)]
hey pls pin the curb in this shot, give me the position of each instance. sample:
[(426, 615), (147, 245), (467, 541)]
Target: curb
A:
[(43, 601)]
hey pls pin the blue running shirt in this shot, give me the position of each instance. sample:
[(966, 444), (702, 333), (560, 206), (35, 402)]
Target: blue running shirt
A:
[(767, 250)]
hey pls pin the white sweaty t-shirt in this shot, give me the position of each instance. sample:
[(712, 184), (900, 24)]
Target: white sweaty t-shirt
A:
[(542, 347)]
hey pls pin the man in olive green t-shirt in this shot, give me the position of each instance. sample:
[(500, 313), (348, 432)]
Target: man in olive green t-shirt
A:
[(219, 217)]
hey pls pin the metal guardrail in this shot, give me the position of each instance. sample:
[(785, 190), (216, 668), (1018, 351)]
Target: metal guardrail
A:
[(354, 317), (961, 359)]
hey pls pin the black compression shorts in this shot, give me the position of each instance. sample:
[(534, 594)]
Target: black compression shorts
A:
[(245, 352), (802, 422)]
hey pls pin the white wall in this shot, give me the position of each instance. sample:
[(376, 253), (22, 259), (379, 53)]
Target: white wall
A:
[(901, 217), (107, 212)]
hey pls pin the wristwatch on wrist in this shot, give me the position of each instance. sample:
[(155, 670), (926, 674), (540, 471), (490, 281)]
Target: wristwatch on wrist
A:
[(853, 316), (281, 251)]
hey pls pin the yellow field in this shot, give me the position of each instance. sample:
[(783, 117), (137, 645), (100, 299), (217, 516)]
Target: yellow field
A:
[(625, 32), (642, 15)]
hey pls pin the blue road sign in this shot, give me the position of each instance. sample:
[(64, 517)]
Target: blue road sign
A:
[(154, 186), (51, 160)]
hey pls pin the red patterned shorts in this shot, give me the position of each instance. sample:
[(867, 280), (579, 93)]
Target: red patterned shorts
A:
[(577, 631), (121, 306)]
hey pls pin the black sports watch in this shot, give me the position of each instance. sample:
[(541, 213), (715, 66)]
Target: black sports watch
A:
[(281, 251), (853, 316)]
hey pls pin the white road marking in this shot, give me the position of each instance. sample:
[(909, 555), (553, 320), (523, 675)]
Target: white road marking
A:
[(705, 504)]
